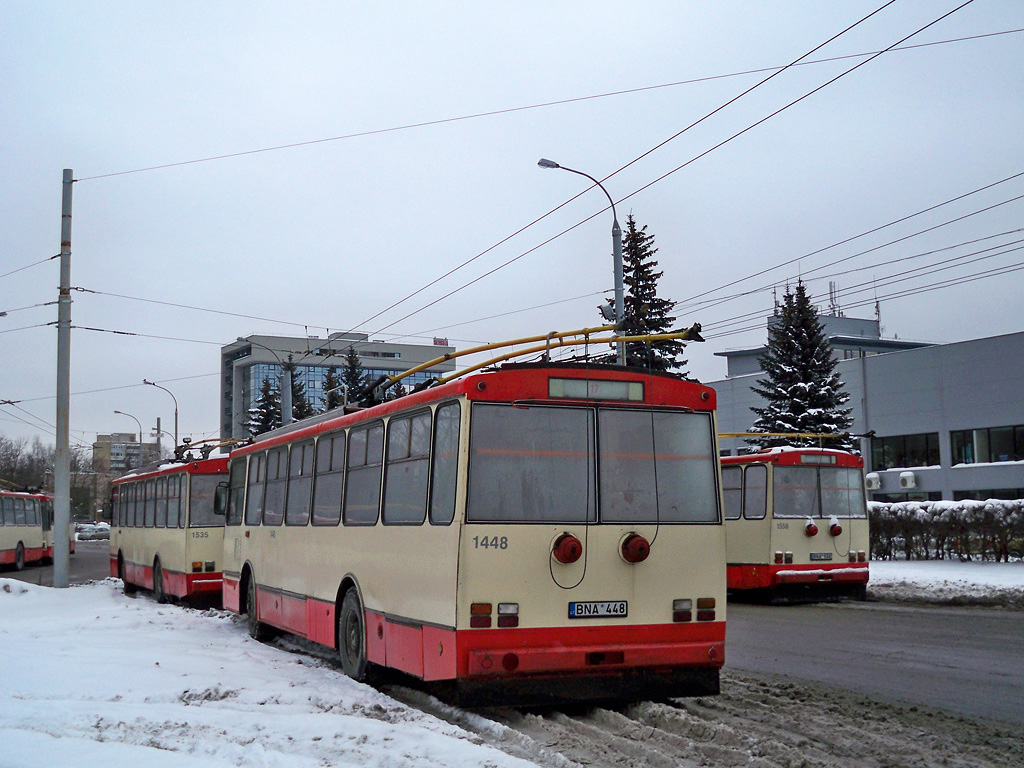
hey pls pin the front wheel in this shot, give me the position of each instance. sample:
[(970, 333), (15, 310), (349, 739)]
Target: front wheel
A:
[(129, 588), (19, 557), (352, 637)]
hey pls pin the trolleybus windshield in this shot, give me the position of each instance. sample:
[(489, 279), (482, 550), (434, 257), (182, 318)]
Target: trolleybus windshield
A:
[(200, 509), (819, 492), (538, 464)]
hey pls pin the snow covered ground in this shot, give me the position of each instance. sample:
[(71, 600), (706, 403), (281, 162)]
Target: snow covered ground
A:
[(89, 676), (948, 581)]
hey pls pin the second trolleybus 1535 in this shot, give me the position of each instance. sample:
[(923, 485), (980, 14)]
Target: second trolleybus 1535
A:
[(538, 533), (164, 533), (796, 523)]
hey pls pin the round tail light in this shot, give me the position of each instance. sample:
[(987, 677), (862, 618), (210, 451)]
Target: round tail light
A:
[(811, 529), (567, 549), (635, 548), (835, 529)]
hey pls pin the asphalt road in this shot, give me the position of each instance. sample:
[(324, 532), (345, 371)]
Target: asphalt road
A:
[(90, 561), (965, 660)]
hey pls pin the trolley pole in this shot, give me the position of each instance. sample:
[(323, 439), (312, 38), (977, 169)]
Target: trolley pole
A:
[(62, 460)]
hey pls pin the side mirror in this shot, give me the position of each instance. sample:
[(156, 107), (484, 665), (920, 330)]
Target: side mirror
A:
[(220, 499)]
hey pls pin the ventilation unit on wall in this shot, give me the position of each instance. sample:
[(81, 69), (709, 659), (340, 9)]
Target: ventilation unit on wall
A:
[(907, 480), (872, 481)]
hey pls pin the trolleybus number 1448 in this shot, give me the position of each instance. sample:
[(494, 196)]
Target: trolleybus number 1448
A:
[(598, 610)]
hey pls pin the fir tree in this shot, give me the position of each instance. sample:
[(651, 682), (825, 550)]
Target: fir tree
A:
[(643, 310), (334, 395), (803, 391), (301, 407), (352, 375), (265, 415)]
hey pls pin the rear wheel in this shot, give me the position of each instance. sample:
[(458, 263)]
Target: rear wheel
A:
[(129, 588), (352, 637), (158, 583), (19, 557), (257, 629)]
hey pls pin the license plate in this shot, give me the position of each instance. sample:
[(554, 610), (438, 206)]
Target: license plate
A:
[(598, 609), (821, 555)]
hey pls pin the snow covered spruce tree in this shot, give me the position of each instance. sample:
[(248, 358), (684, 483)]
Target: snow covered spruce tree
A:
[(352, 375), (643, 310), (265, 415), (334, 396), (803, 392), (301, 407)]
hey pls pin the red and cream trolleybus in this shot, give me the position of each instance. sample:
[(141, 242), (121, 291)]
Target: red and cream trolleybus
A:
[(796, 523), (24, 524), (164, 533), (536, 533)]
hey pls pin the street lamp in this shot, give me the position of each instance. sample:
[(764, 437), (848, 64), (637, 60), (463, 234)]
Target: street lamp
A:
[(165, 389), (616, 252), (122, 413), (286, 380)]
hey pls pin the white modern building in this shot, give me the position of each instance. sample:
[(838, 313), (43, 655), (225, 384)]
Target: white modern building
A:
[(945, 421), (246, 362)]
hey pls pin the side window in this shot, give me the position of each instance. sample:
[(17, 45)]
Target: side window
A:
[(33, 512), (19, 511), (300, 483), (277, 483), (236, 482), (161, 503), (445, 463), (254, 489), (135, 495), (732, 491), (362, 486), (175, 502), (150, 513), (755, 492), (8, 510), (330, 474), (407, 470)]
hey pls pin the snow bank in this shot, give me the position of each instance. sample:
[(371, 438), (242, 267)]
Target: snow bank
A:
[(90, 677), (948, 581)]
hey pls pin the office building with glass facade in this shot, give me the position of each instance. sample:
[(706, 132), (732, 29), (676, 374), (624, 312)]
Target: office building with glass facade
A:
[(246, 363)]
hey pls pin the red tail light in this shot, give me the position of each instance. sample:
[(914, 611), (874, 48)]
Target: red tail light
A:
[(811, 529), (635, 548), (567, 549), (835, 529)]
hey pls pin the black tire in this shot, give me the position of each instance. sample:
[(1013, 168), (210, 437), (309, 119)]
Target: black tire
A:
[(19, 557), (127, 586), (352, 637), (158, 582), (257, 629)]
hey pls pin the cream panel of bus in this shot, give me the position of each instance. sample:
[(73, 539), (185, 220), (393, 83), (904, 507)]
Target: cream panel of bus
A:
[(748, 526), (513, 563), (401, 571)]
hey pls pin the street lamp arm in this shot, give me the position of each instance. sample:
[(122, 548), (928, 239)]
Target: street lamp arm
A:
[(165, 389), (543, 163)]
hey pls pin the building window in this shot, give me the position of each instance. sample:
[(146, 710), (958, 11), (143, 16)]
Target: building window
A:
[(920, 450), (990, 444)]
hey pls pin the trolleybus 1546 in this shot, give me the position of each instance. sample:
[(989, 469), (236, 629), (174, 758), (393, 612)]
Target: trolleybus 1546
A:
[(164, 534), (538, 533), (796, 523), (25, 522)]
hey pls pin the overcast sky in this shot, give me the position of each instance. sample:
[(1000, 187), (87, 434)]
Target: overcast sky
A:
[(373, 205)]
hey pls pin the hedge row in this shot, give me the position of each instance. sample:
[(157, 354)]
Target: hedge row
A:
[(938, 530)]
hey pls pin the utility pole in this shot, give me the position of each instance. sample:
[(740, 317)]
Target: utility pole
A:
[(62, 459)]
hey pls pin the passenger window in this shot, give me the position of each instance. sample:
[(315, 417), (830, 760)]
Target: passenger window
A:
[(732, 484), (300, 484), (362, 486), (445, 464), (407, 472), (277, 483), (755, 492), (330, 474), (254, 489)]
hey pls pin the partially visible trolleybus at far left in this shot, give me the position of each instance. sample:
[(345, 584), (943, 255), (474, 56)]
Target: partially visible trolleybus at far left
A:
[(164, 533), (534, 534), (796, 523), (25, 521)]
